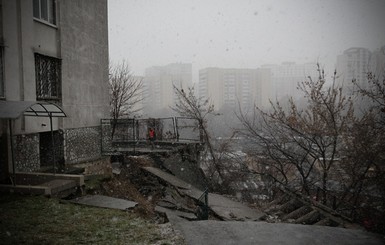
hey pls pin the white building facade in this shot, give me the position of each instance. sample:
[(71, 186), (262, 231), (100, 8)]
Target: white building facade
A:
[(57, 52)]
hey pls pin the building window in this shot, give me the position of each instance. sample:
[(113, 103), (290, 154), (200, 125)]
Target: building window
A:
[(2, 95), (45, 10), (48, 77)]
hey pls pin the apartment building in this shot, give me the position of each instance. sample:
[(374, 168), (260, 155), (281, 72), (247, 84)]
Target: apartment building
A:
[(286, 76), (229, 88), (53, 51), (353, 63), (377, 62), (158, 93)]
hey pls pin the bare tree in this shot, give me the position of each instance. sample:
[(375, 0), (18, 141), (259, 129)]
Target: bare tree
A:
[(325, 146), (125, 92), (188, 105), (366, 154), (302, 145), (375, 92)]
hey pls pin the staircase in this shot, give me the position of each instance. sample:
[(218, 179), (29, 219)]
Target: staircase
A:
[(60, 185), (291, 208)]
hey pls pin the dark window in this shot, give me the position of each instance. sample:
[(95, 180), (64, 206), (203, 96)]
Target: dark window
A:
[(1, 72), (48, 77), (45, 10), (2, 82)]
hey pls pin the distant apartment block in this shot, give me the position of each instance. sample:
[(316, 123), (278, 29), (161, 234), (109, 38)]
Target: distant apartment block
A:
[(248, 87), (158, 83), (377, 62), (285, 78), (228, 88), (353, 63)]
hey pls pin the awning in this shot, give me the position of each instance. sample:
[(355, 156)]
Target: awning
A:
[(12, 110), (15, 109)]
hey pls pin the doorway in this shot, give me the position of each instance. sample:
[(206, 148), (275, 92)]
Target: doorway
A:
[(47, 150)]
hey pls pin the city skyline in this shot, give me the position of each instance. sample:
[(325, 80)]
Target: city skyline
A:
[(240, 34)]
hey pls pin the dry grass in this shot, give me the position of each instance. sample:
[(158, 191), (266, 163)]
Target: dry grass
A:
[(41, 220)]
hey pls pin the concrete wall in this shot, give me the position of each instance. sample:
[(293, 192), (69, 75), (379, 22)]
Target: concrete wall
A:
[(84, 49), (80, 40), (23, 36)]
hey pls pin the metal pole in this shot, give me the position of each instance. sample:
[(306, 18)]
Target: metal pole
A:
[(53, 144), (134, 132), (12, 153), (176, 130)]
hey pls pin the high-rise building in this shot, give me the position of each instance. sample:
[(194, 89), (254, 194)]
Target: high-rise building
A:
[(228, 88), (377, 62), (158, 93), (353, 64), (285, 78)]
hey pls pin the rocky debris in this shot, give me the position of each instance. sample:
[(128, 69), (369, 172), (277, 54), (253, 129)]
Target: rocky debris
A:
[(140, 179), (171, 212), (153, 195), (222, 207), (116, 167)]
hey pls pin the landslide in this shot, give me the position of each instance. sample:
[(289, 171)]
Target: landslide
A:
[(135, 184)]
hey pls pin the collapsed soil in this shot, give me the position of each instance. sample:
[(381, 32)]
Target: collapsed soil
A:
[(135, 184)]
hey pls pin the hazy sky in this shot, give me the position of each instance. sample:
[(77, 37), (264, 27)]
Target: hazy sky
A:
[(240, 33)]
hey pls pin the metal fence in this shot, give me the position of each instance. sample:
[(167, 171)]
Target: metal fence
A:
[(187, 129), (118, 134)]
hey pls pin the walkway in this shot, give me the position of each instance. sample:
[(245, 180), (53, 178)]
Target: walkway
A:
[(211, 232)]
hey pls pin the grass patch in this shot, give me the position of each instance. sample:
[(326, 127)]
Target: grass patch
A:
[(41, 220)]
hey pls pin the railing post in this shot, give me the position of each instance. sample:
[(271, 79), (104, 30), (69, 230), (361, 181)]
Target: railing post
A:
[(177, 129), (204, 205)]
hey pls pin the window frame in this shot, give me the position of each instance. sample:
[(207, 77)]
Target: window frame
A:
[(47, 8), (2, 77), (48, 81)]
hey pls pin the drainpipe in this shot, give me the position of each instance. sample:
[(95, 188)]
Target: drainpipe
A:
[(12, 153), (21, 55), (53, 143)]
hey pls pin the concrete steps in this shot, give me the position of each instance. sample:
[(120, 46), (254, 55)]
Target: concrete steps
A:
[(48, 184), (301, 211), (293, 209), (59, 186)]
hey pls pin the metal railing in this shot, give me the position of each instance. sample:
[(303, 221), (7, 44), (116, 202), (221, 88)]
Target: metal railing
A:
[(120, 134), (203, 205)]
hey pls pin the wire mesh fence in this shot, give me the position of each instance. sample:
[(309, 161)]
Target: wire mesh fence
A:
[(118, 134), (187, 128)]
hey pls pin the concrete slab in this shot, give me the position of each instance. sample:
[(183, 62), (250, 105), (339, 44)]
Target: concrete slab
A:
[(169, 178), (36, 178), (222, 206), (172, 213), (50, 188), (233, 232), (231, 210), (58, 185), (105, 202), (24, 189)]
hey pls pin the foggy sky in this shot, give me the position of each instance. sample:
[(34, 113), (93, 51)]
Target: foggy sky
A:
[(240, 33)]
